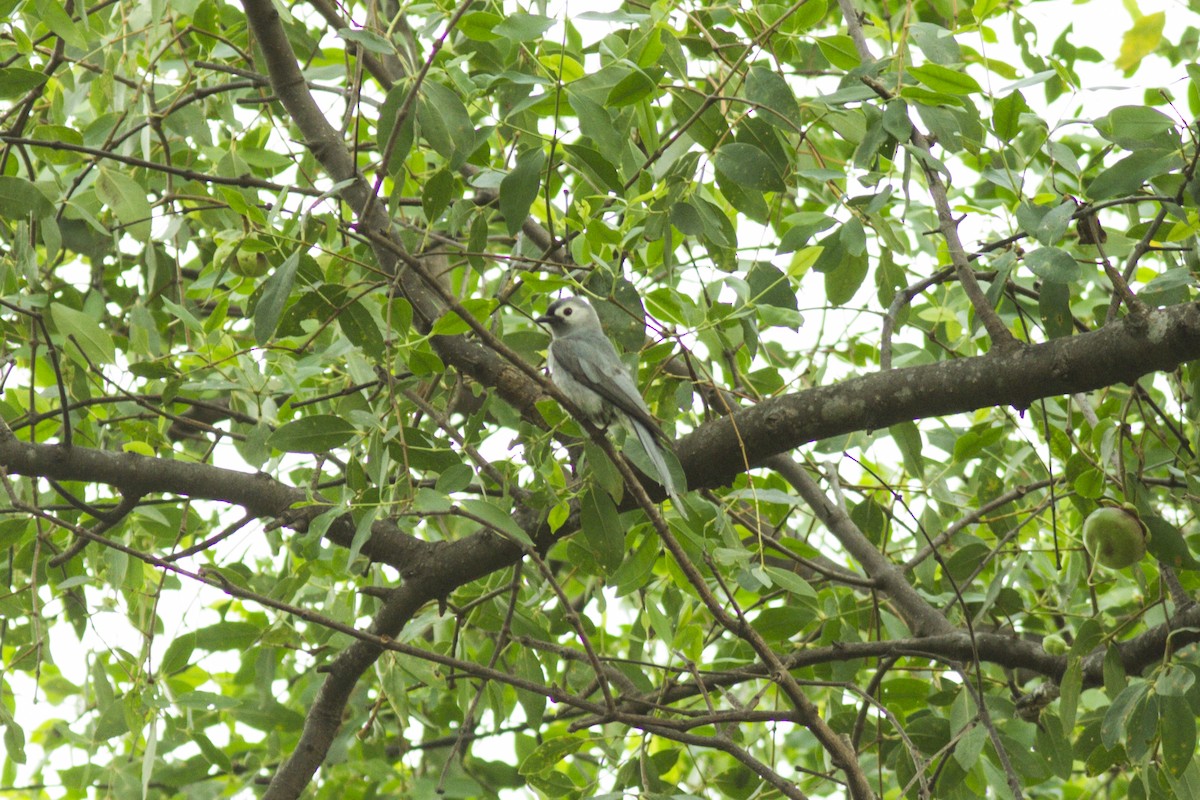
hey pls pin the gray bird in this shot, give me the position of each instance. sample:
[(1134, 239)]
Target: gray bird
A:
[(585, 366)]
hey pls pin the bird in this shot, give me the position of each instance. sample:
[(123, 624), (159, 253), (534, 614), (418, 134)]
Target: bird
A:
[(585, 366)]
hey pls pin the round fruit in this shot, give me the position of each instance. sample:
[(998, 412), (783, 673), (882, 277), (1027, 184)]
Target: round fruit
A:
[(1055, 645), (1114, 537), (250, 265)]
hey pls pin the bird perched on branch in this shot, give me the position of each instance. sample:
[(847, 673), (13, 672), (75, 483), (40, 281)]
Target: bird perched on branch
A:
[(585, 366)]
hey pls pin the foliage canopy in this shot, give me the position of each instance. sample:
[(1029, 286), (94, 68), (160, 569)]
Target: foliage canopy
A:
[(289, 508)]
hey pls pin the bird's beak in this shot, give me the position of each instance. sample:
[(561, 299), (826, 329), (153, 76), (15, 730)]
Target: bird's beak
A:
[(543, 320)]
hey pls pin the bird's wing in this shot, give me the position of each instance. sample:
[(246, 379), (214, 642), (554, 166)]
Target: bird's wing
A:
[(607, 377)]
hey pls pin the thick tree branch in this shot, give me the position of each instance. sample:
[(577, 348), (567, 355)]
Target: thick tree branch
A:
[(137, 476), (1118, 353), (712, 456)]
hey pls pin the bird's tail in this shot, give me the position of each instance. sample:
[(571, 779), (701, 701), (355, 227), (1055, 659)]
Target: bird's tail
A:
[(654, 450)]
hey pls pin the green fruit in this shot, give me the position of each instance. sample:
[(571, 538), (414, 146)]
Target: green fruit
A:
[(250, 265), (1055, 645), (1114, 537)]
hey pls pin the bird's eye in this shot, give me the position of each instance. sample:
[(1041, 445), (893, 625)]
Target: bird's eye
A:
[(568, 311)]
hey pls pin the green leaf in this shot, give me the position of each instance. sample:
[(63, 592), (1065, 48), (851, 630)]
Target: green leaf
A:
[(1138, 128), (364, 518), (388, 113), (936, 42), (945, 80), (942, 123), (528, 667), (179, 654), (15, 82), (520, 188), (183, 315), (747, 165), (603, 470), (522, 27), (1053, 225), (768, 89), (445, 123), (14, 742), (213, 754), (1054, 746), (549, 754), (969, 746), (596, 123), (84, 331), (1053, 264), (686, 217), (437, 193), (498, 518), (1116, 719), (635, 86), (127, 199), (21, 198), (477, 241), (368, 40), (907, 437), (480, 25), (843, 282), (1141, 40), (602, 529), (1193, 71), (477, 308), (52, 14), (709, 128), (456, 478), (799, 589), (267, 716), (748, 202), (1128, 174), (662, 624), (1142, 728), (896, 120), (1087, 638), (635, 571), (1166, 542), (840, 51), (770, 286), (319, 433), (1054, 307), (1115, 679), (561, 67), (806, 225), (780, 623), (1006, 115), (227, 635), (698, 217), (601, 171), (275, 293), (1188, 783), (1069, 690), (808, 14), (58, 133), (361, 329), (1174, 681), (1177, 727)]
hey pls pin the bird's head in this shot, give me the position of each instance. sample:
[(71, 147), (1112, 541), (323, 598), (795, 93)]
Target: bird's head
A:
[(569, 315)]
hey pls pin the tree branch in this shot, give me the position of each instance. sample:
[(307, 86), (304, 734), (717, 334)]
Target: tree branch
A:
[(1117, 353)]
